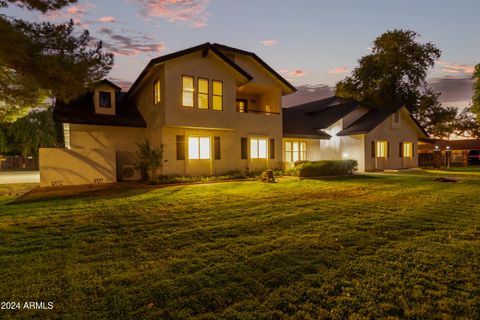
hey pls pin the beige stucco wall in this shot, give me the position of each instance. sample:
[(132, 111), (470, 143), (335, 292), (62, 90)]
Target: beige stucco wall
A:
[(73, 167), (404, 131), (96, 103)]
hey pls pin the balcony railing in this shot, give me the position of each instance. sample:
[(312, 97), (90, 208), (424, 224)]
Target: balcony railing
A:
[(243, 110)]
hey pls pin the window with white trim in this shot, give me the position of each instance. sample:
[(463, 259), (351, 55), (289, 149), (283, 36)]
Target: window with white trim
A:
[(295, 151), (258, 148), (187, 93), (199, 148), (407, 150), (382, 149)]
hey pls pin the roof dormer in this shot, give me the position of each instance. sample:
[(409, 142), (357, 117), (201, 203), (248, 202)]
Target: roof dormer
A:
[(104, 97)]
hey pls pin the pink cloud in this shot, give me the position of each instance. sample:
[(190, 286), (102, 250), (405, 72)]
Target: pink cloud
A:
[(296, 73), (269, 43), (106, 19), (76, 13), (450, 67), (338, 70), (128, 44), (189, 12)]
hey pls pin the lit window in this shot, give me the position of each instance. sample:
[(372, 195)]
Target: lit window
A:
[(295, 151), (105, 99), (242, 105), (66, 135), (156, 92), (198, 148), (407, 150), (217, 97), (202, 93), (381, 149), (258, 148), (187, 97)]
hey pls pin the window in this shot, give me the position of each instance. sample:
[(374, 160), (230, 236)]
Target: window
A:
[(198, 148), (258, 148), (407, 150), (295, 151), (105, 99), (187, 96), (396, 117), (381, 149), (217, 98), (66, 135), (242, 105), (202, 93), (156, 92)]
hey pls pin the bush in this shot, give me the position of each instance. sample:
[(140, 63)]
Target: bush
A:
[(324, 168)]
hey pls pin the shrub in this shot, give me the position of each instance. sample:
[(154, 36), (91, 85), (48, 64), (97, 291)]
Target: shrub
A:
[(324, 168), (148, 159)]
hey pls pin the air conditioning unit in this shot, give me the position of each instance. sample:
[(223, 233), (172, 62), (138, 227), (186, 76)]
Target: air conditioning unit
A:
[(129, 172)]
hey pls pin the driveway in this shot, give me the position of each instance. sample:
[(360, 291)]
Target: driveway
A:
[(10, 177)]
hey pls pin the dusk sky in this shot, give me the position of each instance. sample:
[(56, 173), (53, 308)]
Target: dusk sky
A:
[(313, 44)]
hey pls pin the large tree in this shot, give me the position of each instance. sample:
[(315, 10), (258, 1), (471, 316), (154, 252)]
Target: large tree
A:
[(475, 108), (394, 72), (39, 60)]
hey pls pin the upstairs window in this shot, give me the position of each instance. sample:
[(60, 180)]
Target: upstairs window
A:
[(187, 96), (407, 150), (198, 148), (202, 93), (105, 99), (242, 105), (258, 148), (156, 92), (217, 97)]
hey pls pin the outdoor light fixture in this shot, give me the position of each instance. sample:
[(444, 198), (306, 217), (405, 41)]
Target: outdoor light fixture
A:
[(448, 147), (436, 147), (345, 155)]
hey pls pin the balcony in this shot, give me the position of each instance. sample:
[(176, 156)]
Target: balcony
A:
[(246, 110)]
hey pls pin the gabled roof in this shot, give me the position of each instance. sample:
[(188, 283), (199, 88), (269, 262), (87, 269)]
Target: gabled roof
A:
[(290, 88), (205, 48), (373, 118), (312, 117), (109, 83), (464, 144), (82, 111)]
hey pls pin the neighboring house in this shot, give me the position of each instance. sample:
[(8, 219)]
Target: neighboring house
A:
[(446, 153), (336, 128), (213, 108), (216, 109)]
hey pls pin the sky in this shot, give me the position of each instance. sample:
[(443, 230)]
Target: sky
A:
[(312, 43)]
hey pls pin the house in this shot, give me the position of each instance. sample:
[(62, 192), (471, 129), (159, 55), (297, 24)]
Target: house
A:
[(213, 108), (336, 128), (446, 153)]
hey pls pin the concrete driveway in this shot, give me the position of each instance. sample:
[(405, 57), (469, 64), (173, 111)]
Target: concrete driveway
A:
[(11, 177)]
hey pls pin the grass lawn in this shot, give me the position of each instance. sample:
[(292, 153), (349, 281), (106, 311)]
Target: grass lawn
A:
[(373, 246)]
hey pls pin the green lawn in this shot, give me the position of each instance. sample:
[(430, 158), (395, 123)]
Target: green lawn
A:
[(374, 246)]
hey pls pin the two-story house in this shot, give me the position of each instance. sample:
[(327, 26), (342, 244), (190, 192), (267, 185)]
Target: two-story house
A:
[(211, 107)]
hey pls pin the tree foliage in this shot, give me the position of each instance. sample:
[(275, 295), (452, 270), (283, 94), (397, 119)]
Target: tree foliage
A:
[(148, 160), (39, 60), (476, 92), (468, 124), (394, 72), (439, 121), (27, 134)]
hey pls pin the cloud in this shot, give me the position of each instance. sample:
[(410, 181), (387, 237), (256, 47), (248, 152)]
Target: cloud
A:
[(269, 43), (124, 84), (189, 12), (75, 12), (453, 89), (106, 19), (296, 73), (338, 70), (307, 93), (450, 67), (127, 44)]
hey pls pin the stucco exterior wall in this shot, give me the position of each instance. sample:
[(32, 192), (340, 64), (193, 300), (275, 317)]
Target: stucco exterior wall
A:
[(404, 131), (100, 110), (61, 167)]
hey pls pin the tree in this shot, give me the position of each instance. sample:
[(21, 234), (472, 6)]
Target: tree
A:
[(395, 71), (25, 135), (39, 60), (475, 108), (468, 124), (439, 121), (148, 160)]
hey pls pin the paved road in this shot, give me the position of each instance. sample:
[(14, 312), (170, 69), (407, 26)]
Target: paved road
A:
[(19, 177)]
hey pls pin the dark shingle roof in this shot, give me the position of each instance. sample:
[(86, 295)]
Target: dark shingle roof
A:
[(309, 118), (82, 111), (464, 144)]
